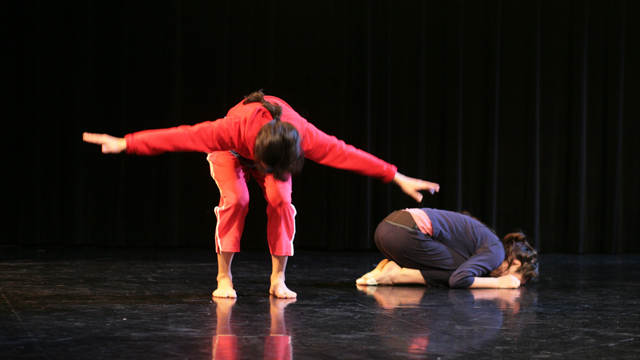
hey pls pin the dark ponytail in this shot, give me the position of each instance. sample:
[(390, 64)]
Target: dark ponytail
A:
[(516, 247), (278, 144), (274, 109)]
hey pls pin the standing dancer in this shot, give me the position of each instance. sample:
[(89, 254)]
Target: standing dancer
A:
[(443, 248), (265, 138)]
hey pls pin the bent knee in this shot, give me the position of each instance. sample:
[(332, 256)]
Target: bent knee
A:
[(279, 201), (384, 234), (236, 200)]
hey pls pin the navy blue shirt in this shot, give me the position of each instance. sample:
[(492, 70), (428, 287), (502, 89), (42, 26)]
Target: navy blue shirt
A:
[(478, 245)]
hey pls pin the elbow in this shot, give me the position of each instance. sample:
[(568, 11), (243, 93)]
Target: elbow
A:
[(457, 282)]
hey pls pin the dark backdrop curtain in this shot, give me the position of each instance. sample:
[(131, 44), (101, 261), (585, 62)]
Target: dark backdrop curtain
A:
[(526, 113)]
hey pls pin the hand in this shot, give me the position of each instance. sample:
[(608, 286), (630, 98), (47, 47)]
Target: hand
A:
[(110, 144), (508, 282), (412, 187)]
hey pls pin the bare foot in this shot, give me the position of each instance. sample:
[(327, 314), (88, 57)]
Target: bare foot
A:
[(225, 289), (382, 277), (280, 290), (387, 274), (364, 278)]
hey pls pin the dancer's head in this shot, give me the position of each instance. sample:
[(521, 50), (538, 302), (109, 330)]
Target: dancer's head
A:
[(520, 256), (277, 149)]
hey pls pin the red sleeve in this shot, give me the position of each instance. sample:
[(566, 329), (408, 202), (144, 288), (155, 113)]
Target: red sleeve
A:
[(328, 150), (208, 136)]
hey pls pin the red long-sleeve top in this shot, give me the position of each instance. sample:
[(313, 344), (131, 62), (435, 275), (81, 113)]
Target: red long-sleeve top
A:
[(238, 132)]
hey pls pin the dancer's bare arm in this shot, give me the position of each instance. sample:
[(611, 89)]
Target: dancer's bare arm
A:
[(110, 144), (502, 282), (412, 187)]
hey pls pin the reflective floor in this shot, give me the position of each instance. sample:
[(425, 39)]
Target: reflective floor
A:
[(70, 303)]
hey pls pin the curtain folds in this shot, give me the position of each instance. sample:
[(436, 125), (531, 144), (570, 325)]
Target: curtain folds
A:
[(525, 112)]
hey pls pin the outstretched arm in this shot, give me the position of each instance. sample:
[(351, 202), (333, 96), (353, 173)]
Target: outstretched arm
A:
[(328, 150), (110, 144), (208, 136), (412, 187)]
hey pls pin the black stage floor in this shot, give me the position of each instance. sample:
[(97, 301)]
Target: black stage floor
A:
[(79, 303)]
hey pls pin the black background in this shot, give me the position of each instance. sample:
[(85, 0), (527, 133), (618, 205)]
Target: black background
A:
[(526, 113)]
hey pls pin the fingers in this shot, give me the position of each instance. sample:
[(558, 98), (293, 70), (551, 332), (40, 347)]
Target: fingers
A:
[(98, 139), (412, 186), (94, 138), (110, 144), (413, 192), (429, 186), (424, 185)]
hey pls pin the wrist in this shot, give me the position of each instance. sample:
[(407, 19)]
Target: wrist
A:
[(485, 282), (397, 178), (122, 145)]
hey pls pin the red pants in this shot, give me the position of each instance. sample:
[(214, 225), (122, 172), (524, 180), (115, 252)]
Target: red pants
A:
[(276, 347), (231, 177)]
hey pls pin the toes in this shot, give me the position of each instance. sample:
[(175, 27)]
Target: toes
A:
[(368, 277), (282, 293), (369, 281), (224, 294), (285, 295)]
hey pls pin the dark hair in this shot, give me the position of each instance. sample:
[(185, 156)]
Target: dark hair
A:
[(278, 144), (274, 109), (277, 150), (516, 247)]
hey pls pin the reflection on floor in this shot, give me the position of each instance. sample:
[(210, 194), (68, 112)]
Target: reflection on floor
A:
[(77, 303)]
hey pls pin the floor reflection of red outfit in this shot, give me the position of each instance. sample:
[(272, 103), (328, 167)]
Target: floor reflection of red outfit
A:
[(419, 345), (277, 345), (225, 343)]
